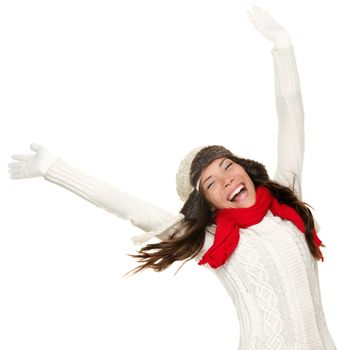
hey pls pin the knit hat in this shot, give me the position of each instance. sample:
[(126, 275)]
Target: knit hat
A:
[(183, 184), (188, 177)]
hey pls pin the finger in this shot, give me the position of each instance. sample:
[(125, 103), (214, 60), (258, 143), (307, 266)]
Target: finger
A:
[(17, 165), (20, 156), (16, 173), (257, 9), (258, 17), (16, 176), (253, 18), (250, 15), (258, 12), (15, 170), (13, 164), (35, 147), (266, 16)]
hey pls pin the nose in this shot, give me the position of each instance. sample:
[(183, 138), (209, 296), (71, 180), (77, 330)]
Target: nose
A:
[(227, 182)]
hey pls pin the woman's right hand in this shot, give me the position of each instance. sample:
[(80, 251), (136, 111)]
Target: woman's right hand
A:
[(269, 27), (31, 165)]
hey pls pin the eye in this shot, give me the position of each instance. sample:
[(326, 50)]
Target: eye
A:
[(225, 169), (210, 185)]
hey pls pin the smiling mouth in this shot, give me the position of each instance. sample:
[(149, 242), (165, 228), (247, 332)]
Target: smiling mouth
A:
[(242, 194)]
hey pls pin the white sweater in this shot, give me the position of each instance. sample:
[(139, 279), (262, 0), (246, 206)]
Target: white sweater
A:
[(271, 277)]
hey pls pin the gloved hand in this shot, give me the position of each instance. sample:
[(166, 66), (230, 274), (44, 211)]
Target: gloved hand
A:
[(269, 28), (31, 165)]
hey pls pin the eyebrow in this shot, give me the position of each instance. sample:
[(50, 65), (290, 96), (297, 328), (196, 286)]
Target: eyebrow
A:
[(211, 175)]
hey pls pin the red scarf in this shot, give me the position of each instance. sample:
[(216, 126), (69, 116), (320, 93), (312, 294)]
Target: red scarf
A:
[(229, 220)]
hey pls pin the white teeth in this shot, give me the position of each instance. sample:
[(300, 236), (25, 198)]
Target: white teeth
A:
[(235, 191)]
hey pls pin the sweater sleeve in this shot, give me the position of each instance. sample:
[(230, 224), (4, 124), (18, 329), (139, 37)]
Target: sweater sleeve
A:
[(140, 213), (290, 114)]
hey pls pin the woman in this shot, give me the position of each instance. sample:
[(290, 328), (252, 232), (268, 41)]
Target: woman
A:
[(256, 234)]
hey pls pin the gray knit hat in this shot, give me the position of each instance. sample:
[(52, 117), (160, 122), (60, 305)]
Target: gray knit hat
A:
[(191, 167), (183, 183)]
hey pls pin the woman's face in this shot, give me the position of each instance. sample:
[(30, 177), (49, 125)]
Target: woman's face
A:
[(223, 177)]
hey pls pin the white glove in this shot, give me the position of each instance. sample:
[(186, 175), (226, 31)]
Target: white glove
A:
[(31, 165), (269, 28)]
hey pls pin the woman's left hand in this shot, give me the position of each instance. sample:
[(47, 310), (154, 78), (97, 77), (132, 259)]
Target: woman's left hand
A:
[(269, 28)]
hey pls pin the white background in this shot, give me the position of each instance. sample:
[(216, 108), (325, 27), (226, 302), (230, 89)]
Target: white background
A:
[(123, 90)]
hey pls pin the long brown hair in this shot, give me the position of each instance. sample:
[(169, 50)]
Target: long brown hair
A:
[(188, 239)]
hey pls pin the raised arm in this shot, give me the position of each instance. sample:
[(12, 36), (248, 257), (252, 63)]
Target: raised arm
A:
[(56, 170), (290, 113), (289, 103)]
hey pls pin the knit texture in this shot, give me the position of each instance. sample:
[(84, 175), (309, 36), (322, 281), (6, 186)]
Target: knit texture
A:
[(273, 281), (183, 184)]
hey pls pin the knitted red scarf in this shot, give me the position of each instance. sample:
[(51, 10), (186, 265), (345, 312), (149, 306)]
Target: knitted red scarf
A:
[(229, 220)]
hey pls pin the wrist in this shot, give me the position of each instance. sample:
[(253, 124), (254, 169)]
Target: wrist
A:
[(47, 164), (282, 44)]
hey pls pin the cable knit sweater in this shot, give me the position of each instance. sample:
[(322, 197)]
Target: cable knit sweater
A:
[(271, 277)]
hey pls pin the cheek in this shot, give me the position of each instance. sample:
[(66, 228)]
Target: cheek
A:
[(217, 197)]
